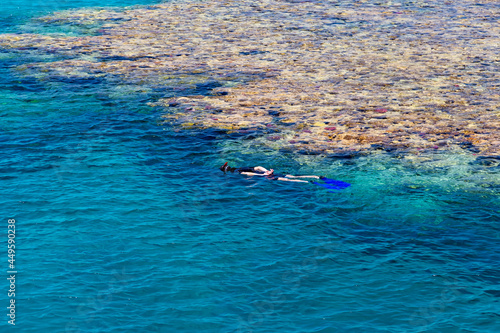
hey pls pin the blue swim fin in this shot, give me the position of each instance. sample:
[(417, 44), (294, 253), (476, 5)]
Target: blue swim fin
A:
[(333, 186), (340, 184)]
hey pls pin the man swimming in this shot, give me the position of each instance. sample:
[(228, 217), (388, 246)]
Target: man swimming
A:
[(261, 171)]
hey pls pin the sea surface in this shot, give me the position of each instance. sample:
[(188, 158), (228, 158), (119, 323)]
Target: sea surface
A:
[(124, 224)]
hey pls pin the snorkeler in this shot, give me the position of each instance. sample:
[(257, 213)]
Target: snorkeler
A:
[(261, 171)]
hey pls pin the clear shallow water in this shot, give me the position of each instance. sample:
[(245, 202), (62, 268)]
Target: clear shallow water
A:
[(125, 225)]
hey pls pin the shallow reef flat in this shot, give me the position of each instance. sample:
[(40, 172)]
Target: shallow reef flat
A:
[(344, 77)]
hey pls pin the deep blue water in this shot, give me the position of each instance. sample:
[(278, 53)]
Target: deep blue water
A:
[(126, 225)]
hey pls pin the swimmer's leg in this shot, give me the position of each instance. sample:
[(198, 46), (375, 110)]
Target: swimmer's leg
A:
[(292, 180), (292, 176)]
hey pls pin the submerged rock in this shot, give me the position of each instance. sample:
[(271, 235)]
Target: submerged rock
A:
[(488, 160)]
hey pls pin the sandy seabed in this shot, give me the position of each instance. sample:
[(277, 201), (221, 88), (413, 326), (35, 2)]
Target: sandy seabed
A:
[(336, 77)]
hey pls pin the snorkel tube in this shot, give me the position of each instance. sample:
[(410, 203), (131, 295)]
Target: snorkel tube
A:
[(224, 167)]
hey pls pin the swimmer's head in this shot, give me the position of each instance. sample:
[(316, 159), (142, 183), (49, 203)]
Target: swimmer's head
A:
[(224, 167)]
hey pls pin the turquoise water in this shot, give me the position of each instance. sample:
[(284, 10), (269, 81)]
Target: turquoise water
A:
[(126, 225)]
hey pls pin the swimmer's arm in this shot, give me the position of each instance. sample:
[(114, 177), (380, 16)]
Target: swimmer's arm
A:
[(260, 169), (253, 174), (266, 173)]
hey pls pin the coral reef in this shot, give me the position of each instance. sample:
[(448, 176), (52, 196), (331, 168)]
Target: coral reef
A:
[(307, 76)]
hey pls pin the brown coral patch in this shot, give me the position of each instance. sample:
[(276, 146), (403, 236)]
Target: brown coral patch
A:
[(410, 79)]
